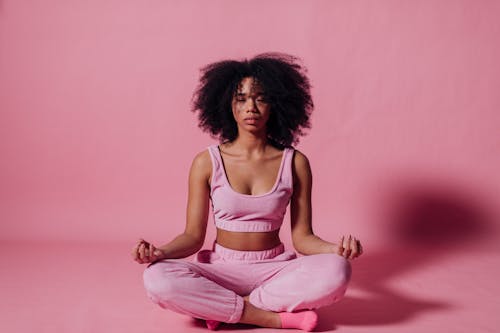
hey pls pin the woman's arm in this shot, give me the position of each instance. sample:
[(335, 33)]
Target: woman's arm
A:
[(193, 237), (304, 239)]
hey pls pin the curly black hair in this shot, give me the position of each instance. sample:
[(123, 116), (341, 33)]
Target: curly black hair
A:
[(285, 86)]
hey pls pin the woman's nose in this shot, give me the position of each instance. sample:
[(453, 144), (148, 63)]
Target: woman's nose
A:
[(251, 105)]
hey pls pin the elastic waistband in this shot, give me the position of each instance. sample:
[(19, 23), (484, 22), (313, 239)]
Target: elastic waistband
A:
[(248, 226), (229, 254)]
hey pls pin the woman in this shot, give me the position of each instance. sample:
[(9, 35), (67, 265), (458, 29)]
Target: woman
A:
[(256, 108)]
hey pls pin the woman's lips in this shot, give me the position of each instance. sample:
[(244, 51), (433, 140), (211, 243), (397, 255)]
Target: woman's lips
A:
[(251, 120)]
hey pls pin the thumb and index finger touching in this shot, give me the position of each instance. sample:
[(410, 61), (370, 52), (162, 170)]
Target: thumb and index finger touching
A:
[(145, 250), (349, 247)]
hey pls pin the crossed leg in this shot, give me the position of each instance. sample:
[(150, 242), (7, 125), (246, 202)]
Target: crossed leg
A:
[(212, 291), (308, 282)]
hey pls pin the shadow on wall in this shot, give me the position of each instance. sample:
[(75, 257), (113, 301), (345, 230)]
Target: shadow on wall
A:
[(424, 224)]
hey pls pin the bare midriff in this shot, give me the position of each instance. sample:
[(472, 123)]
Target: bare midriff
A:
[(248, 241)]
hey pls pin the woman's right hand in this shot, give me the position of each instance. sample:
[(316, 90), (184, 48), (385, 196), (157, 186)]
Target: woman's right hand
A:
[(145, 252)]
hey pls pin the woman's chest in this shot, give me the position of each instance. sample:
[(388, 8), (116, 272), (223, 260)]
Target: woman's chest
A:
[(252, 178)]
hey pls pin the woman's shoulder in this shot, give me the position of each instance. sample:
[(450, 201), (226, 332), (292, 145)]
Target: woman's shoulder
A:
[(299, 158), (300, 165), (202, 163)]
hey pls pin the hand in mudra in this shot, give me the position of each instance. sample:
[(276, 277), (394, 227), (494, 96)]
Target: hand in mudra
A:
[(145, 252), (349, 247)]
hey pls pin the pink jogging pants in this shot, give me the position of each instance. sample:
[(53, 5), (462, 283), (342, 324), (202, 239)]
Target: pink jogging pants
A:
[(213, 285)]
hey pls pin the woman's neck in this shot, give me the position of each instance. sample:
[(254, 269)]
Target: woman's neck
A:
[(249, 144)]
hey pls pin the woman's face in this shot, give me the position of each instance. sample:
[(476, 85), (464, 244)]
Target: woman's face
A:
[(250, 107)]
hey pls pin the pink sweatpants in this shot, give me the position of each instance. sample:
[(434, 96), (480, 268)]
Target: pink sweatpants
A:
[(211, 287)]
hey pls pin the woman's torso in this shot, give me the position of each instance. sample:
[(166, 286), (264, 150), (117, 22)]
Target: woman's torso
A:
[(250, 178), (248, 241)]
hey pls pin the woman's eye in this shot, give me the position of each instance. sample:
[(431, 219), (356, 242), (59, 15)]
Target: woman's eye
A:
[(258, 100)]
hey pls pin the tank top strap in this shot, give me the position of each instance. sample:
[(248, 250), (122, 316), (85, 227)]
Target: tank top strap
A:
[(286, 173), (217, 178)]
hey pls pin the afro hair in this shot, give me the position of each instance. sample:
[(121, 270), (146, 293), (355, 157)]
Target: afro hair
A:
[(285, 85)]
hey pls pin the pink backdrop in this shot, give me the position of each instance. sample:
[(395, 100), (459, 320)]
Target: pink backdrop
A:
[(97, 137), (96, 140)]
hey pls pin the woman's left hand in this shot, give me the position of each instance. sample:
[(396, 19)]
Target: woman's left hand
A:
[(349, 247)]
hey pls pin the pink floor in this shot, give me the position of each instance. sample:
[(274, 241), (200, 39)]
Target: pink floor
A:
[(97, 288)]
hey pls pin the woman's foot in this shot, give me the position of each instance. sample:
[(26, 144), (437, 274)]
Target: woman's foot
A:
[(212, 324), (304, 320)]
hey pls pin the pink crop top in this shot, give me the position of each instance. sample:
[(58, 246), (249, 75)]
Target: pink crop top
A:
[(234, 211)]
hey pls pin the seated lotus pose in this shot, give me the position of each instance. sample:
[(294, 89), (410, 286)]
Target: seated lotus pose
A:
[(256, 109)]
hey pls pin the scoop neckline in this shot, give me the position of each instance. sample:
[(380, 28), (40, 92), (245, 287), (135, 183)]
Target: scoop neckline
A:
[(250, 195)]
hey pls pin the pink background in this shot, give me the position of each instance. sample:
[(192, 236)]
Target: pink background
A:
[(96, 141)]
